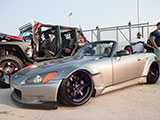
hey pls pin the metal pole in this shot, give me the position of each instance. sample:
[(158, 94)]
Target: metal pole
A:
[(148, 34), (98, 34), (117, 36), (138, 14), (69, 20), (92, 35), (142, 31), (70, 15), (124, 35), (130, 31)]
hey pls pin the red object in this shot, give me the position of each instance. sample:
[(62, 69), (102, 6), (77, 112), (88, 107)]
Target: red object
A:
[(49, 77), (15, 37), (107, 50), (64, 28), (129, 50), (29, 64), (2, 34), (8, 71), (37, 27), (82, 39)]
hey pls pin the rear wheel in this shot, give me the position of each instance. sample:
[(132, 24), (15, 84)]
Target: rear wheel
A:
[(8, 65), (76, 89), (153, 73)]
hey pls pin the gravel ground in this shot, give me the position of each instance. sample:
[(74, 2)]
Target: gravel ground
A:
[(140, 102)]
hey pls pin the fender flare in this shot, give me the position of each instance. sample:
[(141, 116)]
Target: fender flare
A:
[(147, 66), (19, 49), (67, 72)]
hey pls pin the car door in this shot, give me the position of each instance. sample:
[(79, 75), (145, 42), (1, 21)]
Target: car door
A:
[(125, 68), (141, 61), (106, 68)]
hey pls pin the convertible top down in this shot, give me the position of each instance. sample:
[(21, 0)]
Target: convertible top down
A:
[(95, 69)]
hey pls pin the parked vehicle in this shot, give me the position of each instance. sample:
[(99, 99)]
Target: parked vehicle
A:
[(18, 52), (97, 68)]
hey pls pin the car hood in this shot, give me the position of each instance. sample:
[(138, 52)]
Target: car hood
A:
[(55, 65)]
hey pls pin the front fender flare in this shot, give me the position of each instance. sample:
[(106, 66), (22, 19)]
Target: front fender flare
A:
[(69, 70)]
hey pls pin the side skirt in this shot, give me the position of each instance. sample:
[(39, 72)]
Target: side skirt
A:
[(101, 90)]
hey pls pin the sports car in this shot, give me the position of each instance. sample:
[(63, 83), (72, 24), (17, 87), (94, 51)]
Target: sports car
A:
[(97, 68)]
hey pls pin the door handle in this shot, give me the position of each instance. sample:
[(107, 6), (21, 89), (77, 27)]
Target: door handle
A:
[(139, 59), (118, 58)]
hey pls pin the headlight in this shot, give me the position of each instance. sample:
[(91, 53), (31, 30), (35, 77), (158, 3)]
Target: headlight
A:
[(39, 79)]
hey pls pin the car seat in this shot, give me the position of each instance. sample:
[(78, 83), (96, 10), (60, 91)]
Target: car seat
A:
[(107, 51)]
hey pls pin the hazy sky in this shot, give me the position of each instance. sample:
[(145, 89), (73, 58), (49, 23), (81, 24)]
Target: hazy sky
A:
[(87, 13)]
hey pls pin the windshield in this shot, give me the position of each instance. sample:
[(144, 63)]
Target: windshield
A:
[(96, 49), (27, 35)]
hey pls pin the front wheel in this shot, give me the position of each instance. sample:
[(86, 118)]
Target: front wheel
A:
[(76, 89), (153, 74), (8, 66)]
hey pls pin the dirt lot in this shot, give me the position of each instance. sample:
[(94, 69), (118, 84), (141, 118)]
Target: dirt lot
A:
[(140, 102)]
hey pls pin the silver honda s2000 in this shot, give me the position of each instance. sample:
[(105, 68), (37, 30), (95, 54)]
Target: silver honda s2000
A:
[(95, 69)]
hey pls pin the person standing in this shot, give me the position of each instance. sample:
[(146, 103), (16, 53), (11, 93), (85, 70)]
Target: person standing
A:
[(138, 43), (155, 39)]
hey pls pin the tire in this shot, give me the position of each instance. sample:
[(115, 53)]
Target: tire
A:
[(153, 73), (8, 66), (77, 89)]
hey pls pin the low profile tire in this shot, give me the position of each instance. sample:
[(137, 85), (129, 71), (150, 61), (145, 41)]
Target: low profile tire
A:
[(153, 74), (8, 66), (76, 89)]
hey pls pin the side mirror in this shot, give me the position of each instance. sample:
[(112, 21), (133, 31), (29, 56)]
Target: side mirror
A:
[(122, 53)]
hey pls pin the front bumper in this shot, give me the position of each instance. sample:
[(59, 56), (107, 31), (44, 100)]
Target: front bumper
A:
[(36, 94)]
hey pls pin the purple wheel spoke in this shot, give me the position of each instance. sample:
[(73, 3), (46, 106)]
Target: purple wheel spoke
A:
[(75, 93), (79, 85), (85, 85), (81, 93), (70, 86), (81, 77)]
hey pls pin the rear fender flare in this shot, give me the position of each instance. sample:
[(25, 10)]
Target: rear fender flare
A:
[(147, 66)]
